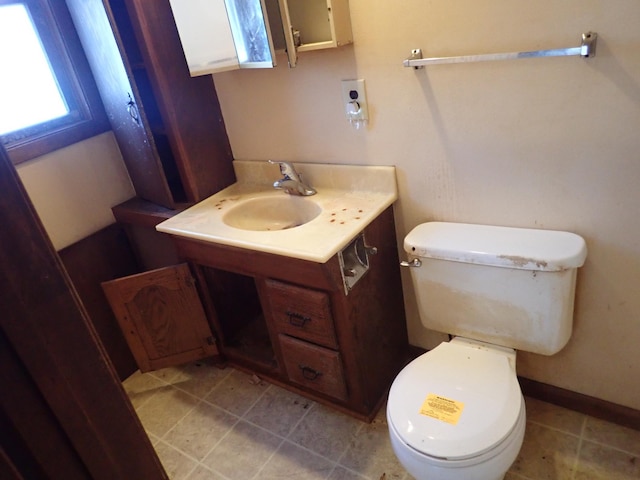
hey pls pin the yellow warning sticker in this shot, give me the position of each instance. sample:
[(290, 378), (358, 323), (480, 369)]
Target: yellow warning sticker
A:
[(442, 408)]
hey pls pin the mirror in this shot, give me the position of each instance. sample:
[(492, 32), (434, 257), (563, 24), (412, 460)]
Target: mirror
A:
[(219, 35)]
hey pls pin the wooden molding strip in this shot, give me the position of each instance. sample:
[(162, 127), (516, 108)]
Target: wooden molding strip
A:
[(602, 409)]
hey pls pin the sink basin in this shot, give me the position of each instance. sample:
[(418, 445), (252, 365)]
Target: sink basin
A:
[(272, 213), (252, 215)]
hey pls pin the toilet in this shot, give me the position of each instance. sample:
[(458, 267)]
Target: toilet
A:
[(457, 411)]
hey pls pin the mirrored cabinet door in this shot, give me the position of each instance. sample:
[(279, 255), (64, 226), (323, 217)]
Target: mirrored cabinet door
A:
[(317, 24), (219, 35)]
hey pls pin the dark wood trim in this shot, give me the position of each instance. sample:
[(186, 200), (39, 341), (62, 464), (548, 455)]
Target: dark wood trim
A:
[(105, 255), (259, 264), (137, 211), (594, 407), (49, 330)]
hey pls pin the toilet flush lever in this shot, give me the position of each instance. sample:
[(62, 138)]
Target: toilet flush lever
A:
[(416, 262)]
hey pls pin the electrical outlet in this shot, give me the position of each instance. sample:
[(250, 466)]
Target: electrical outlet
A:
[(354, 100)]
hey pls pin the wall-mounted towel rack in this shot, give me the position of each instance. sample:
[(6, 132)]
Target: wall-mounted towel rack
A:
[(586, 49)]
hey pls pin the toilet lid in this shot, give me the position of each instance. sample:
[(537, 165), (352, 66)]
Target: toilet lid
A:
[(455, 401)]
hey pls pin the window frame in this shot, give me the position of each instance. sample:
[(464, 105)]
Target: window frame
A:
[(86, 117)]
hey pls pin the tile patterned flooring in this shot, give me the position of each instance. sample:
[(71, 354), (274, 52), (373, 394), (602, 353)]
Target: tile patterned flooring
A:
[(221, 424)]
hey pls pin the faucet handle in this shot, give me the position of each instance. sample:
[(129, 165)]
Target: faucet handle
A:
[(286, 168)]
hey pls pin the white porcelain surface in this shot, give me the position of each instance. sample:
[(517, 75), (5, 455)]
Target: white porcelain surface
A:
[(509, 287), (272, 213), (524, 248), (350, 197), (481, 380), (491, 465)]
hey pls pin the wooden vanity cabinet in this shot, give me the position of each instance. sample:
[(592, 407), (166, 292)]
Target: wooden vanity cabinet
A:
[(287, 320), (337, 348)]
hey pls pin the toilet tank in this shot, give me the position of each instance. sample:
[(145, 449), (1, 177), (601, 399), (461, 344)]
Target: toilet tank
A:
[(512, 287)]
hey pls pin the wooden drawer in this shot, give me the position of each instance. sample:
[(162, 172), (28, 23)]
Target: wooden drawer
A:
[(314, 367), (302, 313)]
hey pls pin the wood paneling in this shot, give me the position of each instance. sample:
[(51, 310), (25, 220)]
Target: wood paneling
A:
[(103, 256), (161, 317), (51, 335)]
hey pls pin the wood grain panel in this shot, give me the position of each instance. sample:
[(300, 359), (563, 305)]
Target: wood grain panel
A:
[(161, 317)]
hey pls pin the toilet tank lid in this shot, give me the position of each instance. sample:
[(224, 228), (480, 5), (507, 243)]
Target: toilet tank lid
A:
[(522, 248)]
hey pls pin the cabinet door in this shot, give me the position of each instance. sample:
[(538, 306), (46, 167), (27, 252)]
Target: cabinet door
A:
[(314, 25), (161, 317), (219, 35)]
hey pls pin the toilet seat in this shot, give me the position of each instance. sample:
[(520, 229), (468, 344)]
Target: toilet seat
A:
[(474, 400)]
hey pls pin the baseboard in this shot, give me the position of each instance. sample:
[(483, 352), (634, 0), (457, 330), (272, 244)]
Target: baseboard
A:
[(594, 407)]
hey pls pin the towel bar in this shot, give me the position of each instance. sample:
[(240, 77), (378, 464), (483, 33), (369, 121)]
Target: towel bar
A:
[(586, 49)]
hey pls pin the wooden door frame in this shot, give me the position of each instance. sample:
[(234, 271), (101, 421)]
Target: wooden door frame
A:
[(48, 328)]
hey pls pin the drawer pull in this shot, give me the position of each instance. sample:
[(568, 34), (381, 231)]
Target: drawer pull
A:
[(297, 319), (309, 373)]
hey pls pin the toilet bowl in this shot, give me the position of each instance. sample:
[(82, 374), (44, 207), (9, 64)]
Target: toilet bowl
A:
[(457, 412)]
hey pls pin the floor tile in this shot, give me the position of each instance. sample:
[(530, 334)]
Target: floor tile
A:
[(546, 454), (341, 473), (553, 416), (244, 450), (199, 378), (278, 410), (202, 473), (167, 374), (177, 465), (292, 461), (237, 392), (164, 409), (613, 435), (598, 462), (325, 432), (247, 429), (370, 453), (140, 387), (200, 430), (514, 476)]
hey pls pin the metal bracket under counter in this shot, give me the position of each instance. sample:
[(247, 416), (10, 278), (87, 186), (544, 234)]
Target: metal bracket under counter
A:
[(354, 261), (587, 49)]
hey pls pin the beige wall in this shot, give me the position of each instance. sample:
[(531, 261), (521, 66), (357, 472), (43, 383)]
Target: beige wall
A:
[(74, 188), (545, 143)]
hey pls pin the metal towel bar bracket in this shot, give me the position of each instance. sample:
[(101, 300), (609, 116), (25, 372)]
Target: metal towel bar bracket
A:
[(586, 49)]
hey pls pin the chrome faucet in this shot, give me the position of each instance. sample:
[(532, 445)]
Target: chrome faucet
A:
[(291, 182)]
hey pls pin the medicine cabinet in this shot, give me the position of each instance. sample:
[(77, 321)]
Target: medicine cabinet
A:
[(220, 35)]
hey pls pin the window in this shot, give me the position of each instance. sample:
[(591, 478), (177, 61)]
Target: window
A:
[(48, 96)]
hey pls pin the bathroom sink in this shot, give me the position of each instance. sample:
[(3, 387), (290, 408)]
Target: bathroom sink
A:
[(252, 215), (272, 213)]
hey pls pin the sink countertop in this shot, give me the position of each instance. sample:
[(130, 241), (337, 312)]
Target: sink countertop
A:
[(351, 197)]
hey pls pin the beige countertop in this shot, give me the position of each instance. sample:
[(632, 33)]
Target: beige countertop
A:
[(350, 197)]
